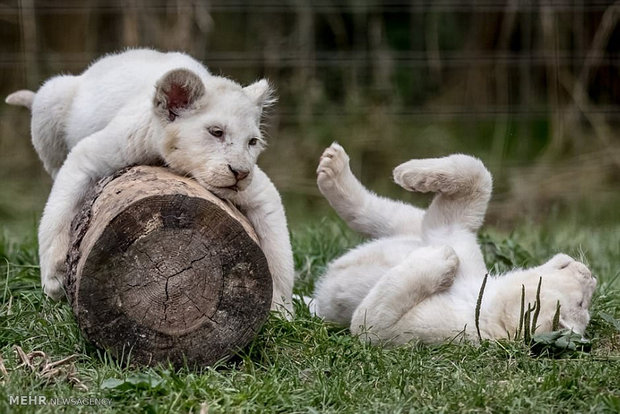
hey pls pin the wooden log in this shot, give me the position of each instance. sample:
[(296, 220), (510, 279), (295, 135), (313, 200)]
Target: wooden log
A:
[(160, 270)]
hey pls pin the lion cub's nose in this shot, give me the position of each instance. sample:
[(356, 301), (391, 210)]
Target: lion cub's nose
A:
[(239, 174)]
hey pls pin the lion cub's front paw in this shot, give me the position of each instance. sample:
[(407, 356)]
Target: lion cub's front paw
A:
[(438, 264), (333, 168), (53, 282), (53, 272), (447, 265)]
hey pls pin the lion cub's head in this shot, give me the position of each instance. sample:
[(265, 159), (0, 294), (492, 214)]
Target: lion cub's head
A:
[(564, 280), (212, 128)]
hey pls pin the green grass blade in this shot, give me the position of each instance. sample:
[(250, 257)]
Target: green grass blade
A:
[(537, 306), (479, 304)]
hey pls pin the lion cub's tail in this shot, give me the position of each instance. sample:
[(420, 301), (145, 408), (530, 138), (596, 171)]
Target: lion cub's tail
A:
[(23, 97)]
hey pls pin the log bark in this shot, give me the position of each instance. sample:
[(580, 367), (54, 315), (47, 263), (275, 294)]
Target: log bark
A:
[(160, 270)]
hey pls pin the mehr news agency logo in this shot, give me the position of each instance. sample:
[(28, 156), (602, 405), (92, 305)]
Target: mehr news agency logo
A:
[(59, 401)]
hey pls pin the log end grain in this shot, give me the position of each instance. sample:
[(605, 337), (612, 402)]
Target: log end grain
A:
[(160, 270)]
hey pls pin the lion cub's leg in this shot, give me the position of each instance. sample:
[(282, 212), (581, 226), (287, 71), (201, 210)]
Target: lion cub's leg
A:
[(362, 210), (424, 272), (262, 205), (462, 183)]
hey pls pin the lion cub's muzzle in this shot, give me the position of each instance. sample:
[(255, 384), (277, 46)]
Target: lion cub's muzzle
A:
[(241, 176)]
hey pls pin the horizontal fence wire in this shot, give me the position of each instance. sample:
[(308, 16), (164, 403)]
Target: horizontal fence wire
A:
[(334, 66), (236, 6), (338, 59)]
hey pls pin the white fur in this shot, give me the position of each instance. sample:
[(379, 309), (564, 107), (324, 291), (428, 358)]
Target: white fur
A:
[(420, 278), (140, 107)]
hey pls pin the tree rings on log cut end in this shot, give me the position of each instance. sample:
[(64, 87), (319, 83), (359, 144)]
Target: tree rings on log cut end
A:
[(162, 270)]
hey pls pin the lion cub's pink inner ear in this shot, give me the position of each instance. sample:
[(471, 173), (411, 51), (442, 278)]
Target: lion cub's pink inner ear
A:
[(178, 99), (176, 92)]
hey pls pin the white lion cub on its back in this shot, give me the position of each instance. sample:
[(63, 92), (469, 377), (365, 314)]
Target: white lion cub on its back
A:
[(140, 107), (421, 276)]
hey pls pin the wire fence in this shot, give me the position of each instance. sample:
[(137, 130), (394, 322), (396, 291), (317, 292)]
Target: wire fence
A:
[(514, 79)]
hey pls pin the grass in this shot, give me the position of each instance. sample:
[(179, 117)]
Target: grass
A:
[(305, 365)]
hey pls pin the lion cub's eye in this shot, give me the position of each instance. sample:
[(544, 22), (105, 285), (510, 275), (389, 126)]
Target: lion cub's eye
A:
[(217, 132), (253, 142)]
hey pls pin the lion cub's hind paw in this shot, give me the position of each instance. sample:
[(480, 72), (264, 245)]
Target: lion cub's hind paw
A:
[(423, 176), (454, 174), (333, 163)]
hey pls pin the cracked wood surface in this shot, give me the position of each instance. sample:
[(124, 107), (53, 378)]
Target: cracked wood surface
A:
[(161, 267)]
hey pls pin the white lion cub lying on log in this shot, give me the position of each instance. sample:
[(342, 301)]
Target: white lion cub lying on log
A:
[(421, 276), (142, 107)]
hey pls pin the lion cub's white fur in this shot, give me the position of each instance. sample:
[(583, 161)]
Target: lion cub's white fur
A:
[(143, 106), (420, 278)]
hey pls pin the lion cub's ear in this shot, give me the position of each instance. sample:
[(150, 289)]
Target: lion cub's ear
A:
[(262, 93), (177, 92)]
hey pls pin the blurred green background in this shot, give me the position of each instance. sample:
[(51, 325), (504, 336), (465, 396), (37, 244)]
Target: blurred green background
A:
[(532, 88)]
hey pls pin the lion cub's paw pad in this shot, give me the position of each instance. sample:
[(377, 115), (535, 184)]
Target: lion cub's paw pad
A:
[(421, 176), (332, 163)]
